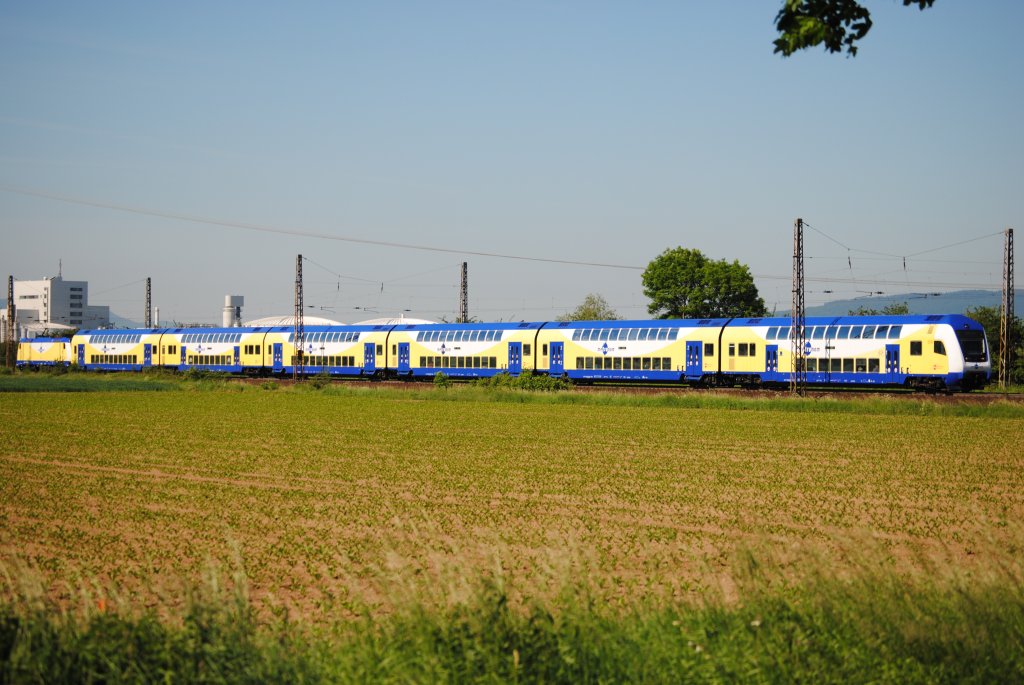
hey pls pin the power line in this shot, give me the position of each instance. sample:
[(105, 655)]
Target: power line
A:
[(303, 234), (498, 255)]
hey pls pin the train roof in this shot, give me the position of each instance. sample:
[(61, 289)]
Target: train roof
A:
[(48, 340), (640, 323), (955, 320), (474, 326)]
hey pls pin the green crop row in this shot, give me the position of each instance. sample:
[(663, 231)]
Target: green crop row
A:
[(875, 627)]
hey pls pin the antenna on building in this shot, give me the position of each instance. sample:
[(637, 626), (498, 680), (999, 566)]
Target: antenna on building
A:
[(60, 268), (300, 330), (149, 305), (464, 295), (798, 378), (11, 349), (1006, 314)]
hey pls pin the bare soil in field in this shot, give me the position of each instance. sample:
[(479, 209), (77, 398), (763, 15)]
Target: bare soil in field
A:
[(329, 503)]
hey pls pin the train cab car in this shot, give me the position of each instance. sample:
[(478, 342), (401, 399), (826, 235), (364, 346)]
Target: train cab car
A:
[(658, 350), (359, 350), (927, 352), (474, 350), (115, 350), (37, 352)]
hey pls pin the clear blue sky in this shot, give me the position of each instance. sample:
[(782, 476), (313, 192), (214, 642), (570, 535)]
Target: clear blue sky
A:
[(590, 131)]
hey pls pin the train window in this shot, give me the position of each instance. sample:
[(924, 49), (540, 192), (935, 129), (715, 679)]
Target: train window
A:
[(855, 332), (844, 332), (662, 334), (783, 332), (544, 350), (894, 332), (861, 366), (873, 366), (732, 349), (673, 333), (494, 362), (588, 363), (773, 333), (636, 363), (869, 332), (579, 362), (647, 363), (915, 348), (633, 333), (940, 348), (666, 363), (576, 334), (819, 333), (812, 364), (753, 349), (617, 364), (743, 349), (836, 365), (394, 349), (709, 349), (831, 332), (380, 349), (627, 364), (527, 349), (881, 332)]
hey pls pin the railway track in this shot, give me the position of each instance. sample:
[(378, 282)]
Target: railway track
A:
[(662, 389)]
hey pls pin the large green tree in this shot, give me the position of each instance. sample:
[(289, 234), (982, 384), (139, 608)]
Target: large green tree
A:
[(683, 283), (593, 308), (839, 24)]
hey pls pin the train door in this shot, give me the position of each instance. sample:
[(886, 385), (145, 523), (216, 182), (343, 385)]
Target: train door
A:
[(694, 359), (369, 358), (81, 354), (557, 358), (892, 363), (238, 355), (278, 357), (183, 355), (515, 358), (771, 362), (403, 357), (147, 355)]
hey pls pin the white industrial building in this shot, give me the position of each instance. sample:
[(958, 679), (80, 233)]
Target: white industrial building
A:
[(53, 304)]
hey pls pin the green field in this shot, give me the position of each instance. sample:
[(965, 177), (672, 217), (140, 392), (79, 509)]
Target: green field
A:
[(337, 506)]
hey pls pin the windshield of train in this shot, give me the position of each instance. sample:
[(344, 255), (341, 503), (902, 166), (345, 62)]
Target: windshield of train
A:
[(973, 345)]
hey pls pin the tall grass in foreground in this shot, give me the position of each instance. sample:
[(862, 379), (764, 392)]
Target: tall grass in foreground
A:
[(875, 626)]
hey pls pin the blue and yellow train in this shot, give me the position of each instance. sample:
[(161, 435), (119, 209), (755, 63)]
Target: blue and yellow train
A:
[(925, 352)]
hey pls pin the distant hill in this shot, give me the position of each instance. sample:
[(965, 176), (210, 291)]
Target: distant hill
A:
[(956, 302), (121, 322)]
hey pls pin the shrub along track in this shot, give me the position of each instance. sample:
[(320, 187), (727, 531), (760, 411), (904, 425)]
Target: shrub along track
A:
[(972, 398)]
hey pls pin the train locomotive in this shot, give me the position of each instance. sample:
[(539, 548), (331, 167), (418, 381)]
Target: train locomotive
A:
[(928, 352)]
